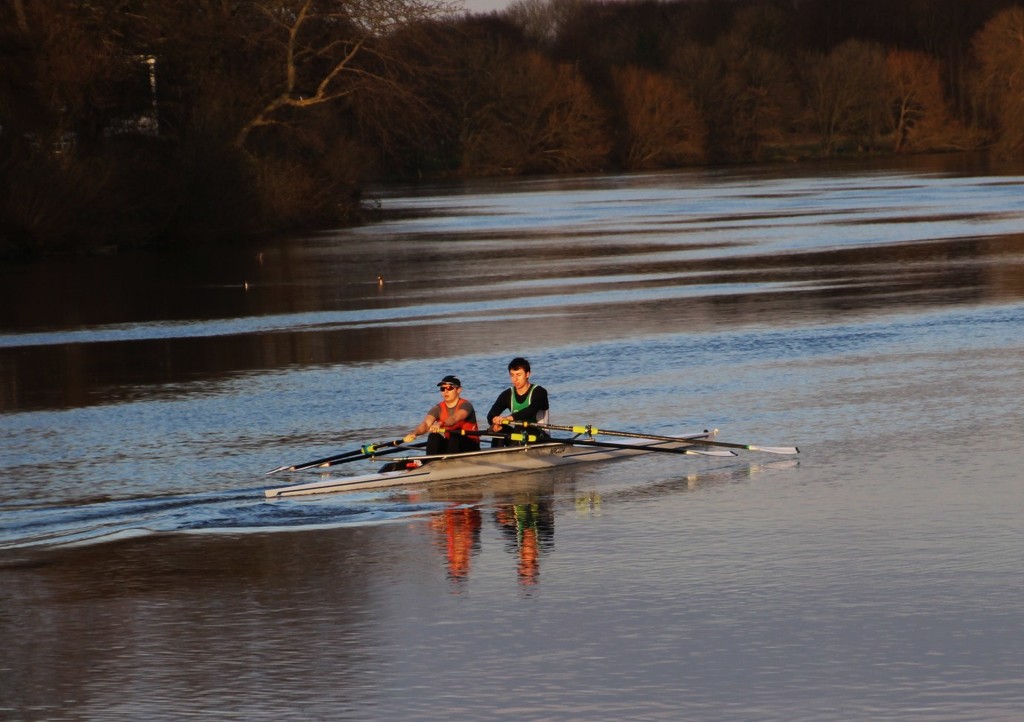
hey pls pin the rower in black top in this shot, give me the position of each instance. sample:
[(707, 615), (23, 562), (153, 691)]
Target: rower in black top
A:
[(523, 401)]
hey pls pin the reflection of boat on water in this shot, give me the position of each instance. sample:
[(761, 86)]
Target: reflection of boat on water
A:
[(502, 460)]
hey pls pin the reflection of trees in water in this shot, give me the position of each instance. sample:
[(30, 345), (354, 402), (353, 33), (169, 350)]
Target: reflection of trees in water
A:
[(529, 530)]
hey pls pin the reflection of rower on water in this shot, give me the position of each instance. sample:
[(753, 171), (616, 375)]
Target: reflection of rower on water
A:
[(459, 529), (530, 529)]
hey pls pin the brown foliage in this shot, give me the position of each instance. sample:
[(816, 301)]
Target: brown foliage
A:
[(272, 112), (534, 116), (742, 84), (842, 93), (919, 116), (999, 47), (663, 128), (69, 70)]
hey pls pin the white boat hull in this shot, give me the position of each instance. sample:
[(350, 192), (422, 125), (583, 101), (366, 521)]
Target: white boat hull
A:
[(483, 463)]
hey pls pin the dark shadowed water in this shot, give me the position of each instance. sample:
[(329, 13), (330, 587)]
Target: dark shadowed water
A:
[(873, 316)]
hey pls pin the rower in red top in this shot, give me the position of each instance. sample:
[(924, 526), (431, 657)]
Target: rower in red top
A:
[(447, 420)]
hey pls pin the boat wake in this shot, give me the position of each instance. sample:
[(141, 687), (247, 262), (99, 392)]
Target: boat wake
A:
[(226, 512), (248, 511)]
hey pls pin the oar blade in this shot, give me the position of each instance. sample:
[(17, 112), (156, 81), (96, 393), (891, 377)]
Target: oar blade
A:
[(776, 449), (709, 452)]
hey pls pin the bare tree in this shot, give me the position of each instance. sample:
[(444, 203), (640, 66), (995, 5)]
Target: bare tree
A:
[(663, 125), (541, 20), (701, 70), (919, 115), (532, 116), (742, 83), (999, 47), (842, 92), (760, 99), (69, 69), (68, 76), (328, 48), (21, 16)]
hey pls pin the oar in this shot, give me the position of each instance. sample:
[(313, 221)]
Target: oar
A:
[(593, 431), (361, 452), (375, 452), (568, 442), (379, 449), (642, 447)]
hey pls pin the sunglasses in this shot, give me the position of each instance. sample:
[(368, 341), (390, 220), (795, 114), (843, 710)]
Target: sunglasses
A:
[(447, 387)]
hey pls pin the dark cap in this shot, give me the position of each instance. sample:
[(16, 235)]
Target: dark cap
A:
[(453, 380)]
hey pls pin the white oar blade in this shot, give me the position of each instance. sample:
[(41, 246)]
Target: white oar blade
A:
[(776, 449)]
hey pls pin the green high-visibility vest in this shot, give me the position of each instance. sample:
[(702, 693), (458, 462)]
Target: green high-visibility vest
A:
[(520, 405)]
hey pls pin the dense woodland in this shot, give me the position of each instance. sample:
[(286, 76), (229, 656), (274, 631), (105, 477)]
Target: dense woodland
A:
[(141, 122)]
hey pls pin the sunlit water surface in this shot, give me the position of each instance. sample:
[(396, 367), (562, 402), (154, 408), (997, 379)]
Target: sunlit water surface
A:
[(872, 316)]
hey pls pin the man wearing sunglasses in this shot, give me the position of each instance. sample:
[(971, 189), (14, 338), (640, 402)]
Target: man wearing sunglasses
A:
[(447, 421)]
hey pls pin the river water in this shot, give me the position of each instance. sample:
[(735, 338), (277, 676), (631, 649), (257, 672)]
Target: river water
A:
[(873, 315)]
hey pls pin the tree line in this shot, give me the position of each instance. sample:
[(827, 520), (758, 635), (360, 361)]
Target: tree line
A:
[(126, 122)]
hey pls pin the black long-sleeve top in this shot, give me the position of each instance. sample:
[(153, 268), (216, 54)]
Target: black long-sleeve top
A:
[(538, 404)]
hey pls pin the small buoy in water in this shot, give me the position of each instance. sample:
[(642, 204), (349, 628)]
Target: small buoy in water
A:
[(380, 281), (246, 285)]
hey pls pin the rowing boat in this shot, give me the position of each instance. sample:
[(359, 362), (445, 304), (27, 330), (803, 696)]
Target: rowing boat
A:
[(529, 457)]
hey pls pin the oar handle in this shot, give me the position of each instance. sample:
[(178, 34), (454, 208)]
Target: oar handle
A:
[(505, 435), (502, 434), (588, 429)]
